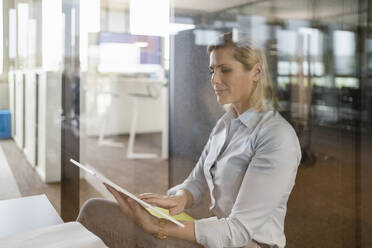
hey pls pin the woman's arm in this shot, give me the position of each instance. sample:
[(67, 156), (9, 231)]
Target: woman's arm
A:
[(186, 233)]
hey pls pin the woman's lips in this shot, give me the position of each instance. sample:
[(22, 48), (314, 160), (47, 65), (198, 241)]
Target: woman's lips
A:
[(219, 92)]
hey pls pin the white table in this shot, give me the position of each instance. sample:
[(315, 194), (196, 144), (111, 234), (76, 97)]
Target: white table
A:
[(26, 214)]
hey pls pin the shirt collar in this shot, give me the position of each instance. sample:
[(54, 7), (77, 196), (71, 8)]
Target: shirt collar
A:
[(229, 116), (249, 118)]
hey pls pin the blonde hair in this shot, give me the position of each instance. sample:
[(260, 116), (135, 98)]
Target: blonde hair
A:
[(249, 55)]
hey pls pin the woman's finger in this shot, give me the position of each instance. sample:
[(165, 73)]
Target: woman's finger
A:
[(149, 195), (114, 192), (121, 199), (145, 194), (134, 204), (138, 210), (164, 203), (174, 211), (118, 192), (158, 200)]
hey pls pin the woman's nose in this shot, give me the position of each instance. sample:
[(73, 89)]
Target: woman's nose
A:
[(215, 78)]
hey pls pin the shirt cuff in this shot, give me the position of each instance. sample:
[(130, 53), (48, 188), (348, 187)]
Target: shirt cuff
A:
[(223, 232), (207, 231)]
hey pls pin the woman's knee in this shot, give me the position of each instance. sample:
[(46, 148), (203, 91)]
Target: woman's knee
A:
[(96, 207)]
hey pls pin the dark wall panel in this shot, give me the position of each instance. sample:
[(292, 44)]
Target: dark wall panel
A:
[(193, 106)]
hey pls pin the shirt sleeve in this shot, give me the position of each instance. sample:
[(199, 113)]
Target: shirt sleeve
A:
[(195, 183), (268, 180)]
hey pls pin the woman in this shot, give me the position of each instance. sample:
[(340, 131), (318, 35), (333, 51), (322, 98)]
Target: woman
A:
[(248, 165)]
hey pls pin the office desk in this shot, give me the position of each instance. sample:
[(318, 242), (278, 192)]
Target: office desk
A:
[(25, 214)]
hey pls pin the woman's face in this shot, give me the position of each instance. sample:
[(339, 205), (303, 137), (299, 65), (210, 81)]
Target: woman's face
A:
[(232, 84)]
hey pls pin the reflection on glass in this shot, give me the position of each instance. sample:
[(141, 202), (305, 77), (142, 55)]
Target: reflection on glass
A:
[(313, 55), (22, 14), (344, 51), (137, 64), (51, 35), (1, 38), (156, 11), (89, 23), (12, 33)]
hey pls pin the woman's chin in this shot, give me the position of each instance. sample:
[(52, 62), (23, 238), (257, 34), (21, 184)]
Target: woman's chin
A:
[(222, 101)]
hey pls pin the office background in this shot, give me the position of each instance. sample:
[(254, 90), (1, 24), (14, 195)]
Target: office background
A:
[(124, 87)]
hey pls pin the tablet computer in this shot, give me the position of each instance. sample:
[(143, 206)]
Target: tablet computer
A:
[(103, 179)]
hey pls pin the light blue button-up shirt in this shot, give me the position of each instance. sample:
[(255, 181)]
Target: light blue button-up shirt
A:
[(249, 165)]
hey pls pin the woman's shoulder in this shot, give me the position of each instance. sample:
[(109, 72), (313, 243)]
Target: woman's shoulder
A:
[(273, 126), (279, 123)]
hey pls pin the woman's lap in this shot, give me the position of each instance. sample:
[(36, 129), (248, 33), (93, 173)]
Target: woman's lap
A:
[(105, 219)]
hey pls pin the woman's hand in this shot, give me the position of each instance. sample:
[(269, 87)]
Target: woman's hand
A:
[(174, 203), (134, 211)]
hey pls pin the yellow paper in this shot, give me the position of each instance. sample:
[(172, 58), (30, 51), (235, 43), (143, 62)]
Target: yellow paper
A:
[(181, 216)]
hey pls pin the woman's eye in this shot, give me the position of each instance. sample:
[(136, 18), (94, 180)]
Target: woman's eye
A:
[(225, 70)]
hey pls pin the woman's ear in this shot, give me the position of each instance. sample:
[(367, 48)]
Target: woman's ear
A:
[(257, 72)]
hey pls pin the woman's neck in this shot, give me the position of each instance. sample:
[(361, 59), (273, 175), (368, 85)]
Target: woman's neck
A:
[(240, 108)]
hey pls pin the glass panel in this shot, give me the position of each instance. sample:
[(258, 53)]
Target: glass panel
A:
[(31, 87), (124, 96), (313, 53), (124, 87)]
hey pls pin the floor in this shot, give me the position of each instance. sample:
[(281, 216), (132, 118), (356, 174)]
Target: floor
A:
[(330, 205), (135, 175)]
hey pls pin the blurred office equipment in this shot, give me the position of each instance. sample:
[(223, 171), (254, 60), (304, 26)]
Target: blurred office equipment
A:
[(35, 103)]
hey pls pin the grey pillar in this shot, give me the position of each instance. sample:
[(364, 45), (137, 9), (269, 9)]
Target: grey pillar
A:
[(70, 139)]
